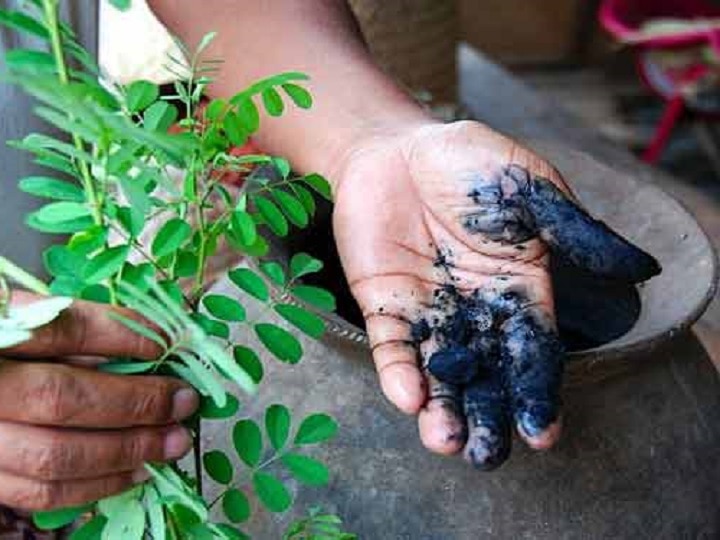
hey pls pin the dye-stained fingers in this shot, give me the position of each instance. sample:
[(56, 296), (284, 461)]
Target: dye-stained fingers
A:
[(85, 328), (489, 431), (61, 395), (569, 230), (48, 454), (533, 363), (441, 422), (24, 493)]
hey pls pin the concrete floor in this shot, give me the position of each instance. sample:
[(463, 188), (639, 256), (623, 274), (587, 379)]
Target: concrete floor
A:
[(622, 111)]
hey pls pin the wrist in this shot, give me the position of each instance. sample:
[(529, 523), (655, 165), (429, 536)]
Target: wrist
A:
[(345, 119)]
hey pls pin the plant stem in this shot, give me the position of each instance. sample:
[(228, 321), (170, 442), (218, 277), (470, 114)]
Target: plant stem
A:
[(51, 20), (197, 449), (27, 280)]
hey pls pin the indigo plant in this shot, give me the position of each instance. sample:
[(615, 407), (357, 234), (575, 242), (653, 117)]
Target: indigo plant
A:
[(109, 178)]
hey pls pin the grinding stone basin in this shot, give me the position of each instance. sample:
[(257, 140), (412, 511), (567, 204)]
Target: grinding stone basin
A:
[(644, 214)]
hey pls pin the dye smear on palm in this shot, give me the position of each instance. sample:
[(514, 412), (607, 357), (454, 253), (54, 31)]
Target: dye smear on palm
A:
[(493, 347)]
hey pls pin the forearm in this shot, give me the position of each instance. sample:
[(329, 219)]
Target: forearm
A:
[(354, 99)]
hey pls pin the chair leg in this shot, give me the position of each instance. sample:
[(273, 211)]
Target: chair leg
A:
[(673, 112)]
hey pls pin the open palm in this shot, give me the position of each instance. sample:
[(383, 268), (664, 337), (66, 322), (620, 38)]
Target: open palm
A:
[(444, 233)]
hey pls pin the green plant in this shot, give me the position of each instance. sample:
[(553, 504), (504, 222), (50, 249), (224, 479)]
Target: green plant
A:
[(110, 181)]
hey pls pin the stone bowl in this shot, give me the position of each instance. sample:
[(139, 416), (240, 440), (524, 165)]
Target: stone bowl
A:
[(646, 215)]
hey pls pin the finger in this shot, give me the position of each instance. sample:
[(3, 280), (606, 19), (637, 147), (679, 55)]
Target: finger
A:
[(396, 361), (441, 422), (533, 358), (388, 322), (587, 242), (27, 494), (49, 454), (85, 328), (60, 395), (489, 433)]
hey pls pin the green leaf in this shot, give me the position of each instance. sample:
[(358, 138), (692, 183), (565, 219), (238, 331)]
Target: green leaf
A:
[(155, 514), (300, 96), (306, 198), (139, 328), (92, 530), (59, 261), (250, 282), (9, 337), (249, 361), (206, 40), (302, 264), (209, 410), (273, 102), (127, 368), (132, 220), (319, 184), (97, 293), (122, 5), (218, 466), (236, 506), (64, 227), (306, 469), (138, 276), (60, 212), (89, 240), (24, 23), (277, 425), (211, 326), (29, 59), (51, 188), (215, 109), (292, 208), (247, 439), (282, 165), (139, 95), (279, 342), (272, 216), (54, 519), (274, 271), (128, 524), (234, 129), (224, 308), (160, 116), (227, 532), (105, 264), (316, 428), (244, 226), (248, 114), (170, 237), (36, 314), (186, 263), (308, 322), (271, 492), (315, 296), (171, 485)]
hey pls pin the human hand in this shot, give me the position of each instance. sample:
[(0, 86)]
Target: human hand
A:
[(444, 232), (71, 435)]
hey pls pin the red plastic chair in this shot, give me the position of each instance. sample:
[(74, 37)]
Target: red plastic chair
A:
[(624, 20)]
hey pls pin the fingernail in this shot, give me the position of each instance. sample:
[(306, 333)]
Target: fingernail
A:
[(536, 419), (177, 443), (185, 403), (140, 476)]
